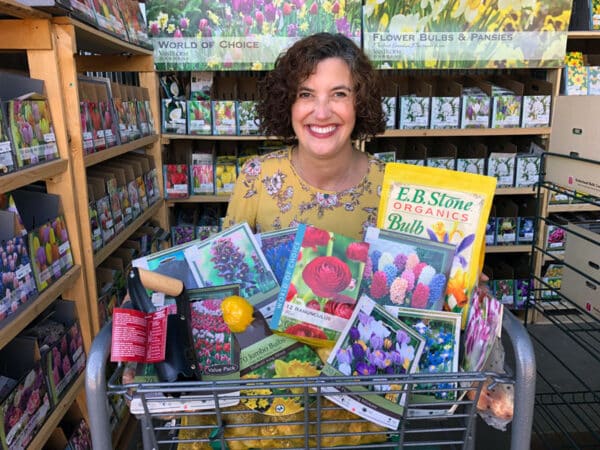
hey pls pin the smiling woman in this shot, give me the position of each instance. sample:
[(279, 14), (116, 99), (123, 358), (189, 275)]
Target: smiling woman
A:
[(322, 95)]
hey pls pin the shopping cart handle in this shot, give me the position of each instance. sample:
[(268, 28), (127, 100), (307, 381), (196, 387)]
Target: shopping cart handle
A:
[(160, 283)]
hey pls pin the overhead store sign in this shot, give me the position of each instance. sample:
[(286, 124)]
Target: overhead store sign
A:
[(465, 34), (419, 34), (241, 34)]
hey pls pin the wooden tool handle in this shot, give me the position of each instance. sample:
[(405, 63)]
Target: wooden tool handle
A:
[(161, 283)]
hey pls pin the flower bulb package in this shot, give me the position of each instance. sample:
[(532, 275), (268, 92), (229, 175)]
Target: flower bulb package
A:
[(483, 326), (405, 270), (278, 356), (441, 331), (217, 350), (443, 206), (373, 343), (320, 285)]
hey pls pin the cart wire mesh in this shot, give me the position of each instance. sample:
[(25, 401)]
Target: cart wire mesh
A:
[(321, 423)]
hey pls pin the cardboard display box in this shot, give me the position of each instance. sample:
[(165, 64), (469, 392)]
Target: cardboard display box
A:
[(581, 291), (577, 131)]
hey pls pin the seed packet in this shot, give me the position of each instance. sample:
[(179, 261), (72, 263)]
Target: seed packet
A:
[(109, 18), (180, 234), (202, 174), (199, 117), (32, 131), (247, 118), (87, 129), (95, 226), (18, 284), (7, 162), (106, 219), (176, 180), (51, 255), (444, 206)]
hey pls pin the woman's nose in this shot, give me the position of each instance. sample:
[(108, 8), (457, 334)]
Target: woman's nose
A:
[(322, 107)]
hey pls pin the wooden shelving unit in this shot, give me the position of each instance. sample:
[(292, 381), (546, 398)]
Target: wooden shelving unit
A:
[(111, 55), (52, 47)]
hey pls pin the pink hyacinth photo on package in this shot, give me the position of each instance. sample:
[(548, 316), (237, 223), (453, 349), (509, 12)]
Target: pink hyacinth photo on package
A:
[(405, 270)]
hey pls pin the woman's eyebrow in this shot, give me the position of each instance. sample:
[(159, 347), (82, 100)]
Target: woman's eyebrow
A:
[(334, 88)]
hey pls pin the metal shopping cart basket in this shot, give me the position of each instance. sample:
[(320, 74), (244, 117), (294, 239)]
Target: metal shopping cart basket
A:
[(169, 418)]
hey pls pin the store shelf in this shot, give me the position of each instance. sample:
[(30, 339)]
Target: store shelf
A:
[(530, 190), (198, 199), (32, 174), (583, 35), (15, 323), (225, 198), (574, 207), (542, 131), (460, 132), (40, 439), (20, 11), (167, 138), (120, 238), (93, 40), (508, 249), (109, 153)]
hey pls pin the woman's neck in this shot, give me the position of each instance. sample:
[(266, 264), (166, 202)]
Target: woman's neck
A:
[(334, 174)]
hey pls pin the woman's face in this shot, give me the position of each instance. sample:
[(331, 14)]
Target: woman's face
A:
[(323, 115)]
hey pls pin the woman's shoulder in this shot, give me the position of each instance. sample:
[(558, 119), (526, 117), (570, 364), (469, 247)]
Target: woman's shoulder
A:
[(266, 162), (375, 164), (276, 156)]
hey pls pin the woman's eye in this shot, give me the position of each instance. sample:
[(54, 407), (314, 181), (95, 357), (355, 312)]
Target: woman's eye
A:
[(303, 95)]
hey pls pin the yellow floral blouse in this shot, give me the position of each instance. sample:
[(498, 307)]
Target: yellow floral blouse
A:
[(270, 195)]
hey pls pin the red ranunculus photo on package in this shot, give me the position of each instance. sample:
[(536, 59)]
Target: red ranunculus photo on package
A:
[(320, 286)]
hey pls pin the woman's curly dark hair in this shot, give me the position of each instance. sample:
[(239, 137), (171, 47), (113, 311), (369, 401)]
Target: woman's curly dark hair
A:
[(279, 88)]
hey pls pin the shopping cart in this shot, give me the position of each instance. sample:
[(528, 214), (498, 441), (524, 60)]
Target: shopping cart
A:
[(320, 423)]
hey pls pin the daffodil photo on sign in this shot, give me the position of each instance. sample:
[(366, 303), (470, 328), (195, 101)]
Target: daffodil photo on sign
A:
[(438, 34)]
